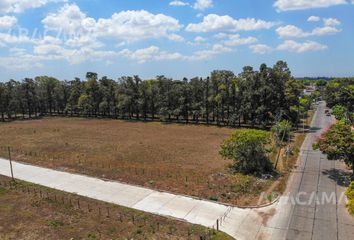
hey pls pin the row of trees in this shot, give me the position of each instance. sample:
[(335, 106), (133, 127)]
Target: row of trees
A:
[(252, 97), (338, 141)]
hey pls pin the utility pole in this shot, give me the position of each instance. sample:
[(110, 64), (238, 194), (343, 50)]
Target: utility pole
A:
[(276, 162), (303, 124), (288, 149), (12, 172)]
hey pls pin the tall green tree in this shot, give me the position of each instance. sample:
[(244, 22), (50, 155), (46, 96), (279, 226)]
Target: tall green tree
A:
[(248, 149), (338, 143)]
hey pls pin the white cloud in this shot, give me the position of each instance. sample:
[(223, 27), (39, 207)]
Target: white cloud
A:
[(82, 41), (137, 25), (236, 40), (199, 15), (203, 4), (125, 25), (51, 48), (331, 22), (297, 47), (220, 35), (18, 6), (27, 62), (291, 31), (289, 5), (17, 51), (69, 20), (213, 22), (326, 30), (206, 54), (261, 48), (313, 19), (7, 22), (151, 53), (177, 3), (154, 53), (175, 37), (6, 38), (199, 39)]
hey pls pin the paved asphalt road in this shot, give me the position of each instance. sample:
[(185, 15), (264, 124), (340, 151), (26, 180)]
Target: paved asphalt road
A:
[(297, 215), (321, 185), (314, 203)]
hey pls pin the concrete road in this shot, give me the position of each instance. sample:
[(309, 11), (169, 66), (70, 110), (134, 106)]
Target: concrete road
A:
[(313, 206), (302, 218)]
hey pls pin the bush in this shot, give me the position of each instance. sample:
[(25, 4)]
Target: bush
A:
[(248, 150)]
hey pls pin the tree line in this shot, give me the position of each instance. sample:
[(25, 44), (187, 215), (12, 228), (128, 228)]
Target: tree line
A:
[(253, 97), (338, 141)]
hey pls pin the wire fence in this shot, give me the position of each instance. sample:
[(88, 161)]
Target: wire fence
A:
[(102, 210)]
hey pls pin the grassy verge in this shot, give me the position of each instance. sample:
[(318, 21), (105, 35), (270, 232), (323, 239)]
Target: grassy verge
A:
[(29, 211), (289, 162)]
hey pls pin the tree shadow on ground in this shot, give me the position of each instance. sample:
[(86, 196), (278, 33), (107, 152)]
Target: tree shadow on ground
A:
[(341, 177), (314, 129)]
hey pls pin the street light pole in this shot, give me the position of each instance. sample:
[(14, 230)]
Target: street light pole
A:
[(12, 172)]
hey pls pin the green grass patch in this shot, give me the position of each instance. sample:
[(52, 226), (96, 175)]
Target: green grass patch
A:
[(3, 191), (55, 223)]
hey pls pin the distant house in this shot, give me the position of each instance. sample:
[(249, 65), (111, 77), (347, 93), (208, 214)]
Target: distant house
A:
[(309, 89)]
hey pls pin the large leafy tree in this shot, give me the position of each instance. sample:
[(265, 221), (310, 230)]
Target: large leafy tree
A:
[(340, 92), (340, 112), (46, 87), (338, 143), (92, 94), (248, 149)]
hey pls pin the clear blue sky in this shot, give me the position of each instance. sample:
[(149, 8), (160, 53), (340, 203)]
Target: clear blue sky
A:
[(186, 38)]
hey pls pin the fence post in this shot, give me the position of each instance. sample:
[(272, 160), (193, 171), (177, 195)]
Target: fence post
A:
[(217, 225), (12, 172)]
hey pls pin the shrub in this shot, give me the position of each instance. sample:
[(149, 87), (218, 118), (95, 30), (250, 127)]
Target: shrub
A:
[(248, 150), (213, 198)]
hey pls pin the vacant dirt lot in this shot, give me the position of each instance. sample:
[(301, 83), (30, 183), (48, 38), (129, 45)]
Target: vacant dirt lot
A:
[(178, 158), (33, 212)]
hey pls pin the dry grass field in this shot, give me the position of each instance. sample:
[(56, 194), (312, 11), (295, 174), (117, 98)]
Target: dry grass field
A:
[(33, 212), (172, 157)]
